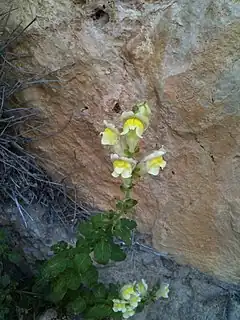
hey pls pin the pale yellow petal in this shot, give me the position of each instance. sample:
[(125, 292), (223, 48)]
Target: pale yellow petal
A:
[(139, 132), (109, 137), (125, 130), (154, 171), (115, 174), (163, 164), (126, 115), (118, 170)]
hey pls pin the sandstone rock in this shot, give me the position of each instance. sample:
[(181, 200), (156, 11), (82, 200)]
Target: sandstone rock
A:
[(183, 58)]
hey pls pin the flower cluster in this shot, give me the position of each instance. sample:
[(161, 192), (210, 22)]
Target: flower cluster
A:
[(133, 293), (125, 144), (130, 296)]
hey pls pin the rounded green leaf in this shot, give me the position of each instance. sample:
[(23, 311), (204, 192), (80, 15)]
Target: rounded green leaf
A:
[(72, 279), (87, 230), (130, 224), (55, 265), (100, 291), (82, 262), (117, 253), (100, 220), (102, 251), (99, 311), (59, 290), (123, 233), (90, 277), (77, 306)]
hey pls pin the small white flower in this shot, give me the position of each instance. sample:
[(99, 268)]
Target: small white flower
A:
[(127, 291), (154, 162), (122, 166), (162, 291), (142, 287), (128, 313), (119, 305), (134, 122), (110, 135), (134, 300)]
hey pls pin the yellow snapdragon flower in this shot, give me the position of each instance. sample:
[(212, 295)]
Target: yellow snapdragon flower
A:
[(131, 295), (128, 313), (134, 300), (122, 166), (119, 305), (154, 162), (127, 291), (110, 135), (133, 127), (134, 122)]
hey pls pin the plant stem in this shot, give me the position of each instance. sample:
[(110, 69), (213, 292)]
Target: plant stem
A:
[(28, 292)]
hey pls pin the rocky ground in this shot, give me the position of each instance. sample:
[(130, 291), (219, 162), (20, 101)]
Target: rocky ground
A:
[(193, 295)]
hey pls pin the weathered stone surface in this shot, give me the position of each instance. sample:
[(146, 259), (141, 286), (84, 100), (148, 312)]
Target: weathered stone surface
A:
[(192, 295), (183, 58)]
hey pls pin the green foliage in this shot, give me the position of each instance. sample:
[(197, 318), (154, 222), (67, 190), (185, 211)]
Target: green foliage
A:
[(72, 269), (71, 278), (17, 301), (123, 230), (99, 311), (102, 251), (77, 306)]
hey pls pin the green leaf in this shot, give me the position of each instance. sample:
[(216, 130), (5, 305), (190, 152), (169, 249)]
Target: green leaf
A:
[(72, 279), (82, 246), (100, 291), (117, 253), (129, 203), (123, 233), (116, 315), (90, 277), (120, 205), (77, 306), (88, 296), (123, 230), (99, 311), (2, 235), (102, 251), (54, 266), (130, 224), (59, 247), (100, 220), (58, 291), (113, 291), (5, 280), (86, 229), (82, 262), (14, 257)]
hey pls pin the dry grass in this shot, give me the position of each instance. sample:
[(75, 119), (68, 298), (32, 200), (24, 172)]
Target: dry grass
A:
[(22, 181)]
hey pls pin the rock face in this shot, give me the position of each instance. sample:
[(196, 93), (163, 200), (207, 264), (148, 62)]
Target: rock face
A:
[(183, 58)]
